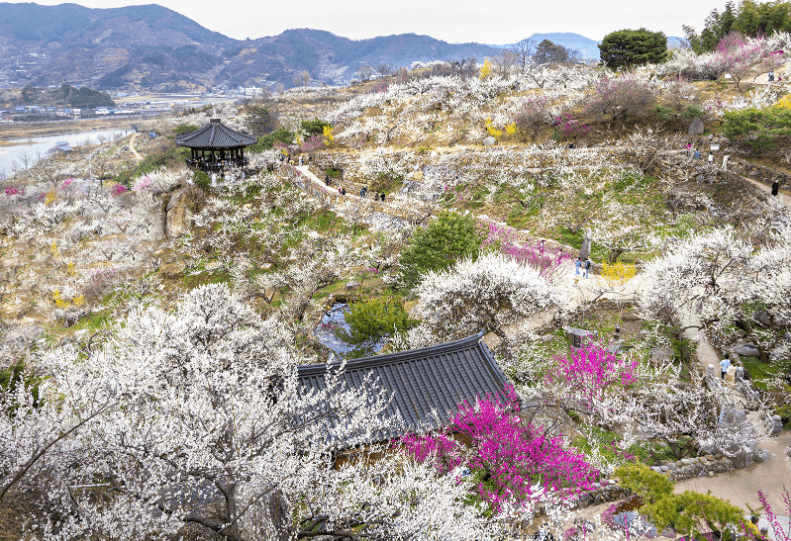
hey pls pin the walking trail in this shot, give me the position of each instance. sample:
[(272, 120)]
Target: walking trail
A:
[(132, 148)]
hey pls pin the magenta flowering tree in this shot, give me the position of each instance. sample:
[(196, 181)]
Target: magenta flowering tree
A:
[(591, 372), (11, 191), (546, 259), (118, 189), (313, 143), (569, 127), (511, 461)]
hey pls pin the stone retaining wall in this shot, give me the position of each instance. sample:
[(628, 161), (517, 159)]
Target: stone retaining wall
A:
[(687, 468), (760, 173)]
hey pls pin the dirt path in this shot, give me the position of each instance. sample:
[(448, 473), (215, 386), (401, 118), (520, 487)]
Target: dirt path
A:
[(783, 198), (132, 148)]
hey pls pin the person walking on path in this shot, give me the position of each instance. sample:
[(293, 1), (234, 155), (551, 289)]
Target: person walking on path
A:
[(300, 161), (711, 158), (383, 197), (327, 180), (362, 192), (724, 365), (697, 154), (587, 267), (577, 264), (542, 246), (689, 149), (343, 191)]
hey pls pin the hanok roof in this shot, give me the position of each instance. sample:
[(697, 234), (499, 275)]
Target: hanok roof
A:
[(214, 135), (436, 378)]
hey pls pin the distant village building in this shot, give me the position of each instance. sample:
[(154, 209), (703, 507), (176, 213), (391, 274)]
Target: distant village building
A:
[(215, 147)]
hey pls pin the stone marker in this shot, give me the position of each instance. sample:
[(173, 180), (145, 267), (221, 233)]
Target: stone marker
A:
[(696, 127), (578, 337), (489, 141), (352, 285)]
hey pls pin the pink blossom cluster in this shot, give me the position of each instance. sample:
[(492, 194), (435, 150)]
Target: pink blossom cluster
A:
[(545, 259), (592, 371), (512, 457), (380, 88), (66, 183), (12, 190), (142, 184), (314, 142), (736, 56), (455, 191), (118, 189), (571, 127)]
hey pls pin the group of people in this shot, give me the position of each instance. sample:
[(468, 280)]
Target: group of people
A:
[(584, 265), (697, 155), (363, 191)]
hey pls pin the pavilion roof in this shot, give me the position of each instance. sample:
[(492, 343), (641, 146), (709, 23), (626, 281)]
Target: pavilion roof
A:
[(215, 135), (422, 381)]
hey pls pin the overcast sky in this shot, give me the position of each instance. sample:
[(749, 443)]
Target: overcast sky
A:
[(456, 21)]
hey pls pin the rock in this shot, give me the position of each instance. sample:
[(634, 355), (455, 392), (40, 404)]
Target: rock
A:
[(685, 461), (664, 468), (69, 317), (671, 466), (696, 127), (743, 459), (441, 93), (711, 136), (656, 469), (578, 337), (489, 141), (777, 426), (762, 317), (611, 482), (680, 463), (718, 456), (183, 204), (710, 457), (352, 285), (660, 353), (711, 474)]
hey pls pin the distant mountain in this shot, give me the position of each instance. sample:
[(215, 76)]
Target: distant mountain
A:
[(152, 47), (588, 47)]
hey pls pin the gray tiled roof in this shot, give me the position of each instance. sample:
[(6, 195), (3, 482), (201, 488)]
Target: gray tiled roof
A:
[(214, 135), (436, 378)]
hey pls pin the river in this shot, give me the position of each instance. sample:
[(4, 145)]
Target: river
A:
[(12, 157)]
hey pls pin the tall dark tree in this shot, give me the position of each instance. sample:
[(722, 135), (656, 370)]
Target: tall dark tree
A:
[(546, 51), (260, 120), (628, 48)]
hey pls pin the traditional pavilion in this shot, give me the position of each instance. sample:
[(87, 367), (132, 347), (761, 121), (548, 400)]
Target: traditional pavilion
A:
[(215, 147)]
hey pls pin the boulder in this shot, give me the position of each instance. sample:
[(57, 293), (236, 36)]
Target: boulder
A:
[(747, 350), (762, 317), (352, 285), (489, 141), (696, 127), (183, 205), (69, 317), (777, 426), (578, 337)]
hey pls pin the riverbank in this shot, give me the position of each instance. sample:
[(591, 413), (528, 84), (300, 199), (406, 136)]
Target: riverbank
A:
[(42, 129)]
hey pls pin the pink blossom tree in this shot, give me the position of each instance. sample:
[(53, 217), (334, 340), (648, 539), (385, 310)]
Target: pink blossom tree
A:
[(511, 461), (740, 58)]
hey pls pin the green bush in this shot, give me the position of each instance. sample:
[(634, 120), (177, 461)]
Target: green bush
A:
[(268, 141), (201, 180), (314, 127), (374, 319), (447, 239), (689, 512), (333, 173), (184, 128), (18, 374), (760, 127)]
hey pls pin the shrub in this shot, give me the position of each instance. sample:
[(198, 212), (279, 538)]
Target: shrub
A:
[(314, 127), (312, 143), (760, 127), (447, 239), (184, 128), (267, 142), (201, 180), (621, 97), (372, 320), (689, 512), (628, 48), (531, 117)]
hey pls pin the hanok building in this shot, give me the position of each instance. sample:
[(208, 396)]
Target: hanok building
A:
[(427, 385), (215, 147)]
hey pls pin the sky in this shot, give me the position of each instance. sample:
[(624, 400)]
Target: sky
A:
[(455, 21)]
